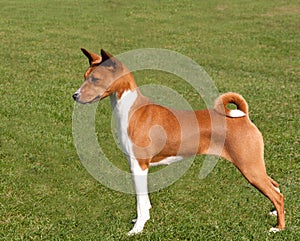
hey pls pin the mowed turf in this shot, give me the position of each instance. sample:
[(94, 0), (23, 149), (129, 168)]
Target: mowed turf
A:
[(250, 47)]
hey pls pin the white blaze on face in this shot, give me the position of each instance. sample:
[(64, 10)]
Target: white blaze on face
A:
[(78, 91)]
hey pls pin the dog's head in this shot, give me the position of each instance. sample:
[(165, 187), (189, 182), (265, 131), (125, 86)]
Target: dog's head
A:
[(105, 75)]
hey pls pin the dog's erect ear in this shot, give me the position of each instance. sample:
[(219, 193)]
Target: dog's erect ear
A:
[(93, 58), (109, 60), (105, 55)]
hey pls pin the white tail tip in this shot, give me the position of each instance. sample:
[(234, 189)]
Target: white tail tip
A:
[(236, 113)]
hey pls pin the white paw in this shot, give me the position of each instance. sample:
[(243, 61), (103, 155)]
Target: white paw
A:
[(138, 226), (133, 220), (274, 230), (135, 230), (273, 213)]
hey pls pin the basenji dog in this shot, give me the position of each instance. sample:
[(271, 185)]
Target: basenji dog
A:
[(151, 134)]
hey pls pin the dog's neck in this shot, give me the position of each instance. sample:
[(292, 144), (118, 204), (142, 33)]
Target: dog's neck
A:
[(125, 95), (121, 110), (123, 104)]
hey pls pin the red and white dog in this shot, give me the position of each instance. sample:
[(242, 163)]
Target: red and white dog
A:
[(151, 134)]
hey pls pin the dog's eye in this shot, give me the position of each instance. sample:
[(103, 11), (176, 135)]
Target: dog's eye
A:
[(95, 80)]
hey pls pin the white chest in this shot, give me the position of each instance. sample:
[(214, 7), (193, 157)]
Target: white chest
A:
[(121, 108)]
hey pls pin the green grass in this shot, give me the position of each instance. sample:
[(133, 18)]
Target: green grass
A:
[(251, 47)]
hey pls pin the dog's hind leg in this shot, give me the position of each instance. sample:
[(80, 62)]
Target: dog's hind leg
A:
[(255, 173), (275, 184), (273, 212)]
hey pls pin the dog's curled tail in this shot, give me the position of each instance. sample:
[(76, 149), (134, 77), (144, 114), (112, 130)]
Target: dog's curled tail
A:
[(223, 100)]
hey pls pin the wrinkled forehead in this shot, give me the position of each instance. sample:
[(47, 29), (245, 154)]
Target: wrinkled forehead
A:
[(99, 72), (90, 70)]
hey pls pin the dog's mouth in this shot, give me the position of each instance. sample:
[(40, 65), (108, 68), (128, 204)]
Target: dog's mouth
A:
[(98, 97)]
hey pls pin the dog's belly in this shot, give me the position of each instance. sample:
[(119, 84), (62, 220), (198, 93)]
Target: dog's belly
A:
[(167, 161)]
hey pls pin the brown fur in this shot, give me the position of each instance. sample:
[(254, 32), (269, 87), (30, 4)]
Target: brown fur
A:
[(158, 132)]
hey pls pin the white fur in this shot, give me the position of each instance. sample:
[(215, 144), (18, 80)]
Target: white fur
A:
[(274, 230), (273, 213), (236, 113), (121, 109), (277, 189), (143, 202), (78, 91), (167, 161)]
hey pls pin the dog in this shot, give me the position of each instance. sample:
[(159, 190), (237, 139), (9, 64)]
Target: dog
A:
[(151, 134)]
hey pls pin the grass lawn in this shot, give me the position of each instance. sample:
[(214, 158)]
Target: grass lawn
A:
[(250, 47)]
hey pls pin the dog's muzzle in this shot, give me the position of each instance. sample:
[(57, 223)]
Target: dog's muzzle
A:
[(76, 96)]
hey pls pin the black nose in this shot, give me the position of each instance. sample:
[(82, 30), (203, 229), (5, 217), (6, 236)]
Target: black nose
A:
[(75, 96)]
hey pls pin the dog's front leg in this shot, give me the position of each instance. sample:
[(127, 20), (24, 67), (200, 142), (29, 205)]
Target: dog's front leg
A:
[(142, 198)]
